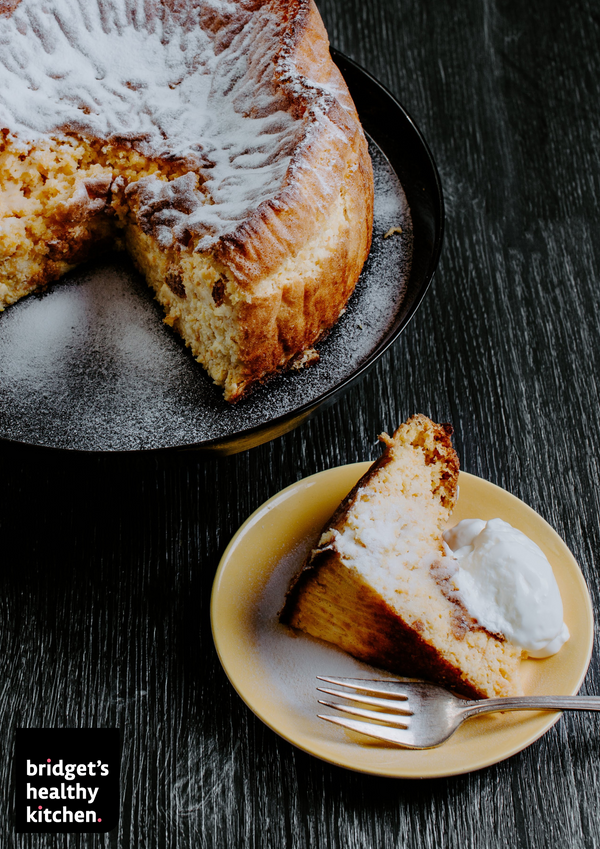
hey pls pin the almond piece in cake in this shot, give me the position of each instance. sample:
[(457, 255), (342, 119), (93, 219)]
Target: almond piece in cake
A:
[(379, 584)]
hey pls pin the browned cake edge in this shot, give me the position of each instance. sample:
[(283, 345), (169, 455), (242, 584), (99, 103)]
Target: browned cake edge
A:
[(276, 229)]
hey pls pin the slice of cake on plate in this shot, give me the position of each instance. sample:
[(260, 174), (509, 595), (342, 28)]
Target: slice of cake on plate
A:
[(379, 584)]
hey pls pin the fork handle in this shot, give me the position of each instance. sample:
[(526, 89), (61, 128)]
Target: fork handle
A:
[(474, 708)]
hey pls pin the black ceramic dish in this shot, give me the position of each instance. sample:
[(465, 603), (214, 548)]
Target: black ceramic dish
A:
[(89, 365)]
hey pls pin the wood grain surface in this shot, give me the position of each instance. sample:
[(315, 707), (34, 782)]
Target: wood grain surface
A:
[(108, 561)]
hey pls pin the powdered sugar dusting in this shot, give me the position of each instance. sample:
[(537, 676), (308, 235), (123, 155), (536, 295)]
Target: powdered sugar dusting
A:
[(191, 82), (91, 366)]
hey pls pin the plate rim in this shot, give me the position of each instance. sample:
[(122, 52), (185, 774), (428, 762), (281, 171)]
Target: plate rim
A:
[(351, 763), (245, 438)]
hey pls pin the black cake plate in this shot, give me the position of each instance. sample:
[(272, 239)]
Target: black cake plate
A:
[(90, 366)]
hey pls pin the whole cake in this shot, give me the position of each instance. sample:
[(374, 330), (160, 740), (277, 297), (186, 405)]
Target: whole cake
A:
[(216, 141), (379, 584)]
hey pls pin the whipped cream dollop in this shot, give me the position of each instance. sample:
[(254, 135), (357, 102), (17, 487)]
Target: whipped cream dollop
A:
[(506, 582)]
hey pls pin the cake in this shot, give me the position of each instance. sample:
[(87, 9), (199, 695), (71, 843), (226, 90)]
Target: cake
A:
[(379, 583), (215, 141)]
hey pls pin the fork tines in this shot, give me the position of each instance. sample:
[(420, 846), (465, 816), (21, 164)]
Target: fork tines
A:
[(390, 688), (395, 727)]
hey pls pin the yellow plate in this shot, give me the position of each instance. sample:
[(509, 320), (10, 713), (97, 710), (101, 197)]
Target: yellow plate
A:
[(274, 669)]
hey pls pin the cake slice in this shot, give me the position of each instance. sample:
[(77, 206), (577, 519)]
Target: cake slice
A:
[(379, 584)]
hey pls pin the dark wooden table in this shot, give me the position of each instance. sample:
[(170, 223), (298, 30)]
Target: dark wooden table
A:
[(108, 561)]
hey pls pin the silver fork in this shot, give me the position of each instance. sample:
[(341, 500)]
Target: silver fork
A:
[(420, 715)]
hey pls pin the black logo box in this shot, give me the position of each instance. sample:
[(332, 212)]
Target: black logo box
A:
[(67, 780)]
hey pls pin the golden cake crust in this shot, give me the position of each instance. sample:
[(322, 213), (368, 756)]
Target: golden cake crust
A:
[(336, 152)]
